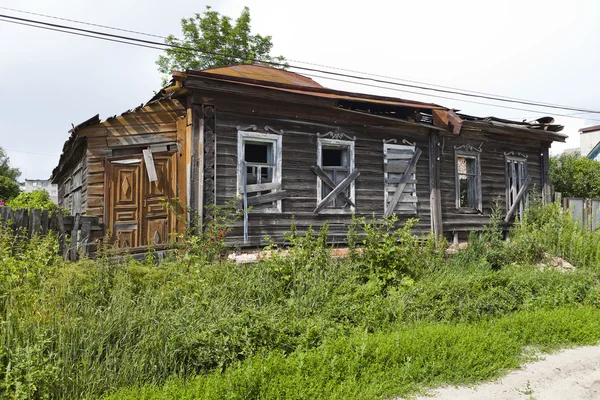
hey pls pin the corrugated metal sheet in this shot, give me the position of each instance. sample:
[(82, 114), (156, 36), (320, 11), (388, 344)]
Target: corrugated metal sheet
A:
[(264, 73)]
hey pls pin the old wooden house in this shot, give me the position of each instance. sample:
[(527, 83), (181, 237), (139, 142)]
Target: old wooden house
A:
[(288, 147)]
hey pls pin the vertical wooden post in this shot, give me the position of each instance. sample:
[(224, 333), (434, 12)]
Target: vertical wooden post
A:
[(74, 239), (545, 164), (196, 165), (60, 227), (86, 228), (435, 201), (35, 222), (45, 222)]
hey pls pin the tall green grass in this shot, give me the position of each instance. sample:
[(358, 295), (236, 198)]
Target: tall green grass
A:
[(85, 329)]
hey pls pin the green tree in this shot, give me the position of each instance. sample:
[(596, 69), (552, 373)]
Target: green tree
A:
[(37, 199), (6, 169), (9, 187), (209, 33), (575, 176)]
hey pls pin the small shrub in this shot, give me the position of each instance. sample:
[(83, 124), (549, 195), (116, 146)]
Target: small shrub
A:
[(39, 199)]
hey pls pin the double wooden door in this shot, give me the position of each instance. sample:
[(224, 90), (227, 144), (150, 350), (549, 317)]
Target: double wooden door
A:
[(136, 213)]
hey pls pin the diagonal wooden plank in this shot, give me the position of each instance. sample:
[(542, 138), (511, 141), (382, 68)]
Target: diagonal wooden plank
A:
[(517, 200), (327, 180), (266, 198), (338, 189), (259, 187), (403, 181)]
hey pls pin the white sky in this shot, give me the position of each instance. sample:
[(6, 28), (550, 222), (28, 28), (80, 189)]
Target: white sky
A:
[(539, 50)]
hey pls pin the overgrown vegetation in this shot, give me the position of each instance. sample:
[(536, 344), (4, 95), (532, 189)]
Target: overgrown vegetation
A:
[(39, 199), (395, 316), (575, 176)]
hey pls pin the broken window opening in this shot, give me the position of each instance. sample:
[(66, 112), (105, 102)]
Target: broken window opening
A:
[(336, 159), (516, 172), (259, 168), (468, 182)]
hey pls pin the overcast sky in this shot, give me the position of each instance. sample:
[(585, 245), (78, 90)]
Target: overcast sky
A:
[(538, 50)]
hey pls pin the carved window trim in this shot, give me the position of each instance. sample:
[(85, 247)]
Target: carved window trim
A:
[(339, 144), (472, 154), (257, 137)]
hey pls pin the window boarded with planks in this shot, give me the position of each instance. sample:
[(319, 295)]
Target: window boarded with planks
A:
[(399, 174)]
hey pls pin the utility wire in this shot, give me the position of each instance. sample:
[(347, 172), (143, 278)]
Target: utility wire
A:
[(188, 49), (31, 152), (449, 98), (295, 61), (83, 22)]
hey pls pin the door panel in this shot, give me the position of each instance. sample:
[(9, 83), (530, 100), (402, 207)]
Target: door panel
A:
[(157, 222), (125, 203)]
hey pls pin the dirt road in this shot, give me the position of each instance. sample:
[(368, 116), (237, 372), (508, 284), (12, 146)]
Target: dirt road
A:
[(569, 374)]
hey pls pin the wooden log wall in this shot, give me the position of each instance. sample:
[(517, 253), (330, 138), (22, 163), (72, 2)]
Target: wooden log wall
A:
[(301, 125), (494, 144), (34, 222)]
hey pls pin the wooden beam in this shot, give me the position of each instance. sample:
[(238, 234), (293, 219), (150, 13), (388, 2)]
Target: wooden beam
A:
[(259, 187), (545, 164), (150, 168), (402, 184), (266, 198), (517, 200), (435, 198), (327, 180), (338, 189)]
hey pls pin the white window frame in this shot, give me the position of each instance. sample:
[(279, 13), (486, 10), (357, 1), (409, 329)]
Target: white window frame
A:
[(341, 144), (387, 194), (257, 137), (479, 191)]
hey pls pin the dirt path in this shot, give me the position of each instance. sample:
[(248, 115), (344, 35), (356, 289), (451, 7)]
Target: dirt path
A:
[(569, 374)]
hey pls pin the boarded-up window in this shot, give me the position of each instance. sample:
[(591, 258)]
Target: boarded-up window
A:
[(336, 160), (259, 170), (516, 172), (468, 182), (396, 160)]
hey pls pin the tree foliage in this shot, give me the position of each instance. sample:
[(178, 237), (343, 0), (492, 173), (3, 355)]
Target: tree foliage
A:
[(9, 187), (575, 176), (39, 199), (217, 41), (6, 169)]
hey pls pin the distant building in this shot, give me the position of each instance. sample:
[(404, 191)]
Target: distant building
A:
[(44, 184), (589, 140)]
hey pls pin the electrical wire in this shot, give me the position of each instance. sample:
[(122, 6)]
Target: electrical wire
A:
[(292, 60), (136, 41)]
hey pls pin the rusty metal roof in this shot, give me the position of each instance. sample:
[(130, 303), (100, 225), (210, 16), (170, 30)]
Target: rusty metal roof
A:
[(590, 129), (301, 85), (264, 73)]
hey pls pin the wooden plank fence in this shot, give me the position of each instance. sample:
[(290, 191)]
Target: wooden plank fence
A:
[(584, 211), (40, 222)]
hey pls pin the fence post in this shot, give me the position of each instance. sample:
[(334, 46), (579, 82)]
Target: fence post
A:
[(74, 239), (35, 222), (60, 226)]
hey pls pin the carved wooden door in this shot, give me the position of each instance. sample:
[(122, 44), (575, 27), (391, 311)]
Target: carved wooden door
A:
[(157, 222), (124, 204)]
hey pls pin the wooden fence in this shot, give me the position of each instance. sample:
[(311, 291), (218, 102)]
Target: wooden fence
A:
[(41, 222), (585, 211)]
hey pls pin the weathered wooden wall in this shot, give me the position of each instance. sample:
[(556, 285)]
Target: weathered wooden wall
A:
[(126, 134), (301, 125), (494, 144)]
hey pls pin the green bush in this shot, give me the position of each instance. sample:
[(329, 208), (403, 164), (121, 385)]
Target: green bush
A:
[(39, 199), (575, 176)]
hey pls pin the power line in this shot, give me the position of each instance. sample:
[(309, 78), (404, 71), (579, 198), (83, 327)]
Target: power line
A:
[(83, 22), (295, 61), (188, 49), (447, 98)]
